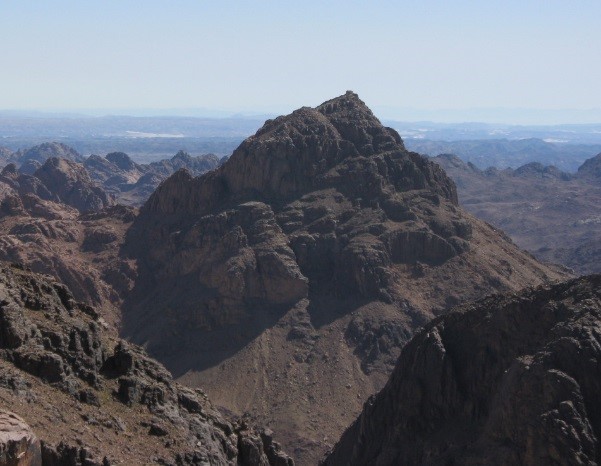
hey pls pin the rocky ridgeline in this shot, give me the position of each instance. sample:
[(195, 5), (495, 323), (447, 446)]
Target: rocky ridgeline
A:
[(130, 183), (511, 379), (120, 403), (306, 261)]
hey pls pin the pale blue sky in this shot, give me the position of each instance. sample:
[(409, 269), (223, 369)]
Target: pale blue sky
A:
[(272, 56)]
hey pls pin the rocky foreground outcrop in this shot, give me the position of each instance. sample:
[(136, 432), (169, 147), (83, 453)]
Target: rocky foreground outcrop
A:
[(95, 400), (512, 379), (287, 280), (18, 444)]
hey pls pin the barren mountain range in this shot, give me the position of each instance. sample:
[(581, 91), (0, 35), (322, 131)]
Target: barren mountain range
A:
[(283, 283), (553, 214), (130, 183)]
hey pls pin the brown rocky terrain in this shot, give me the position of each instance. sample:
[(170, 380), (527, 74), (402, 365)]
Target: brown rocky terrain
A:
[(130, 183), (286, 281), (512, 379), (83, 397), (41, 227), (553, 214)]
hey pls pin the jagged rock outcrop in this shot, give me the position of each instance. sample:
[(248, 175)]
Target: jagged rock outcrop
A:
[(510, 380), (60, 181), (287, 280), (18, 444), (39, 228), (94, 400)]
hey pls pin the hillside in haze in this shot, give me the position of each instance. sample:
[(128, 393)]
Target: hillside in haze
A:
[(553, 214), (505, 153), (130, 183)]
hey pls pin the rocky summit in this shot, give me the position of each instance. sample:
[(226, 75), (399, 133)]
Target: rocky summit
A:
[(511, 379), (286, 281), (79, 396)]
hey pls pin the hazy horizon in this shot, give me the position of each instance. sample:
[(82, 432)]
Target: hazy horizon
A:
[(501, 62), (492, 116)]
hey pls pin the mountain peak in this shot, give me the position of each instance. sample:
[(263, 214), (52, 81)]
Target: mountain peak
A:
[(356, 123), (349, 102), (288, 154), (121, 160)]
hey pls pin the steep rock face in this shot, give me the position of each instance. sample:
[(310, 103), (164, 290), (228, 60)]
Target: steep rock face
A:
[(94, 400), (512, 379), (306, 261), (71, 184)]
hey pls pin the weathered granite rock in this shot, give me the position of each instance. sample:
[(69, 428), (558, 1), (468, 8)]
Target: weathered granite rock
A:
[(18, 444), (512, 379)]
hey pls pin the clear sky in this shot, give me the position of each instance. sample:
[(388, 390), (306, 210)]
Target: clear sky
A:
[(272, 56)]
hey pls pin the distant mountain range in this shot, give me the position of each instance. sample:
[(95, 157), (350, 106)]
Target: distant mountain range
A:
[(504, 153), (553, 214), (128, 182)]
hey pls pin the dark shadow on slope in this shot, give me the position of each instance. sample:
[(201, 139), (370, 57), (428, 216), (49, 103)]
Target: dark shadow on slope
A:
[(181, 323)]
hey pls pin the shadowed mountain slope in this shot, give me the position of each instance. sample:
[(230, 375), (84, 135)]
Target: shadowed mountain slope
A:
[(513, 379)]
